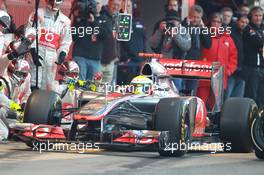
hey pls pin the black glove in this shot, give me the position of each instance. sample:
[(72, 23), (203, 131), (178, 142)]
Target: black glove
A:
[(15, 54), (61, 58), (35, 57), (22, 49)]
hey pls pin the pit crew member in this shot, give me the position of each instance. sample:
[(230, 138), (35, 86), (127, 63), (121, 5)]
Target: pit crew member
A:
[(14, 92), (54, 42)]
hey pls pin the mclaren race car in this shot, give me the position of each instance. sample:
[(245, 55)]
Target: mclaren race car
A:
[(164, 120)]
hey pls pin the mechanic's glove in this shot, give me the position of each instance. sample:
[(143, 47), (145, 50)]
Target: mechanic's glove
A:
[(93, 87), (35, 57), (61, 58), (20, 50), (81, 83), (15, 107), (71, 84), (18, 109)]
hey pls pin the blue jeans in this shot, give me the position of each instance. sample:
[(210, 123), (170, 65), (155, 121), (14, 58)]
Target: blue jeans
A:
[(88, 67), (235, 87)]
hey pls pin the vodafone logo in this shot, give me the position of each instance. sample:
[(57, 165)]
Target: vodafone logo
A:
[(188, 66), (49, 37)]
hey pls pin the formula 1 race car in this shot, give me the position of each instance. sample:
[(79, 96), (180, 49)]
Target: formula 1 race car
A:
[(163, 120), (257, 133)]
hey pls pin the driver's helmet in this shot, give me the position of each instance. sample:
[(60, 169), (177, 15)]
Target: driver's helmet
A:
[(18, 71), (69, 70), (5, 21), (142, 85), (54, 4)]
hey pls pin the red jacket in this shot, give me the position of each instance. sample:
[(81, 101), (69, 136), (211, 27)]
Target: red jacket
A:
[(223, 50)]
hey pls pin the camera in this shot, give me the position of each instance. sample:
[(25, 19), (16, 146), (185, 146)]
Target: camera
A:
[(84, 7), (170, 24)]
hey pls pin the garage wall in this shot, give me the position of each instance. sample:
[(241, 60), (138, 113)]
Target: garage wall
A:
[(20, 9)]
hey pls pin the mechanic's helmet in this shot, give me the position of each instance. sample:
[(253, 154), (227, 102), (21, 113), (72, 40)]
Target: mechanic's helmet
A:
[(18, 70), (141, 85), (98, 76), (5, 21), (69, 70), (54, 4)]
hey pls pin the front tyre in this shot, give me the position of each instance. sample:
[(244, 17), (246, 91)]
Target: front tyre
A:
[(172, 119), (43, 107)]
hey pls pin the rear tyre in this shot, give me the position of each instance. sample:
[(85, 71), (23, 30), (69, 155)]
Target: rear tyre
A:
[(257, 134), (259, 154), (235, 123), (43, 107), (172, 119)]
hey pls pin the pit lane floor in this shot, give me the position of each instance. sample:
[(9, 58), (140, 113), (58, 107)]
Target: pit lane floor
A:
[(16, 158)]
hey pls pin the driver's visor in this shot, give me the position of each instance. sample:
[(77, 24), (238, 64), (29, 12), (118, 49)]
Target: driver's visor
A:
[(72, 74)]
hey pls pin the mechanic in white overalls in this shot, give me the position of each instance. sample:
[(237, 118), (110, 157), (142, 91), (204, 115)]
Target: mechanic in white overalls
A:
[(54, 42), (69, 72), (70, 86), (5, 39), (14, 92)]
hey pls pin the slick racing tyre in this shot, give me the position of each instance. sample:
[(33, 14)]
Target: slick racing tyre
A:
[(172, 119), (235, 124), (257, 134), (259, 153), (43, 107)]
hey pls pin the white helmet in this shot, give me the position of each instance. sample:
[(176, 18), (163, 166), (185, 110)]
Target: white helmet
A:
[(69, 70), (5, 21), (54, 4), (18, 70)]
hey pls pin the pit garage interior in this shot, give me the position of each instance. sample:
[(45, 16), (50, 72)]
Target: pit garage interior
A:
[(150, 10)]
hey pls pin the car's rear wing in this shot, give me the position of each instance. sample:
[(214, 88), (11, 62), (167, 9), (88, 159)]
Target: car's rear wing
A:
[(190, 68), (157, 66), (194, 69)]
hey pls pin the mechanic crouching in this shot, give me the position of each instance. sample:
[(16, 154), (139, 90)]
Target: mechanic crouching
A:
[(69, 72), (14, 92), (70, 87)]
